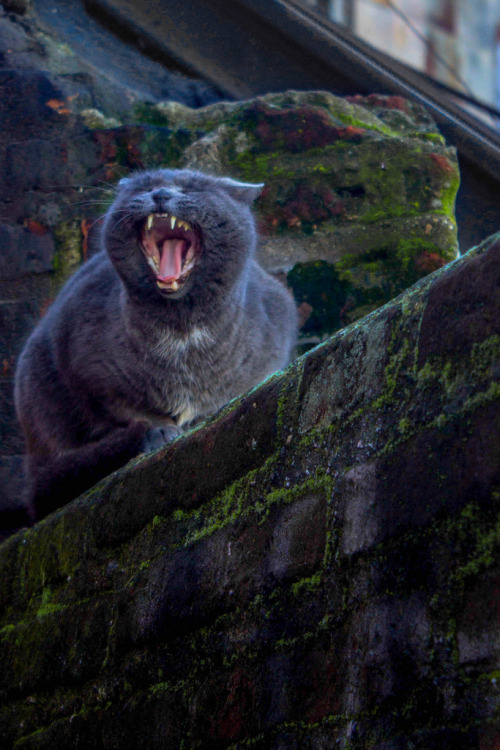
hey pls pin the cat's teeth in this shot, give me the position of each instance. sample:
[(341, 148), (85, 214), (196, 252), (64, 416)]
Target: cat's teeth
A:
[(172, 286), (173, 221)]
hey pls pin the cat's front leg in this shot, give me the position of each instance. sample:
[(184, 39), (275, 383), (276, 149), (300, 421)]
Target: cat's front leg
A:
[(157, 437)]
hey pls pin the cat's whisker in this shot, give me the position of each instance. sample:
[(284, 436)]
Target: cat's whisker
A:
[(109, 185), (100, 203), (128, 216), (111, 189), (94, 222)]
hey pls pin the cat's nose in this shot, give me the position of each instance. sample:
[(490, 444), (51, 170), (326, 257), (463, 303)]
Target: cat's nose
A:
[(163, 195)]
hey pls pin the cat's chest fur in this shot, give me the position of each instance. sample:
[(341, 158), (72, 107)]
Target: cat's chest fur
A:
[(174, 377)]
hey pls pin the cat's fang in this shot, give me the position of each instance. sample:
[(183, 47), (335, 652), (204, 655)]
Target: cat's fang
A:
[(173, 219), (149, 222), (171, 286)]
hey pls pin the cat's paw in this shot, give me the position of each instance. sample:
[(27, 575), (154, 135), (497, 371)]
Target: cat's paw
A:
[(157, 437)]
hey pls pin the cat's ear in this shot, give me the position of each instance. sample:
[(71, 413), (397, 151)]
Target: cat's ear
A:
[(246, 192), (124, 181)]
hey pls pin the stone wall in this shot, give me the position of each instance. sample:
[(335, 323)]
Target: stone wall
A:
[(316, 566)]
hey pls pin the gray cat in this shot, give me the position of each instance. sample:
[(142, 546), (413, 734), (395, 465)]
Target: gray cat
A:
[(172, 319)]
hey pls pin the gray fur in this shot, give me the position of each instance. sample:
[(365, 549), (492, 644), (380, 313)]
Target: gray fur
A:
[(118, 366)]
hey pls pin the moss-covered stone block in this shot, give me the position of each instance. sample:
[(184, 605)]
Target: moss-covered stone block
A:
[(366, 185)]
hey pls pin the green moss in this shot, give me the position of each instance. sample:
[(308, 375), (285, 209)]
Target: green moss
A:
[(347, 114), (242, 499), (382, 177), (319, 482), (387, 176), (290, 644), (344, 264), (51, 553), (491, 676), (484, 549), (485, 354), (158, 522), (393, 172), (6, 631), (427, 374), (448, 194), (390, 210), (492, 393), (255, 167), (392, 371), (306, 584), (287, 403), (426, 136), (409, 248), (169, 687), (404, 426), (160, 147), (69, 250), (318, 284), (47, 607), (449, 374), (149, 114), (474, 536)]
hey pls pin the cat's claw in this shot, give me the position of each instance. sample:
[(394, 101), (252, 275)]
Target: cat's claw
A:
[(157, 437)]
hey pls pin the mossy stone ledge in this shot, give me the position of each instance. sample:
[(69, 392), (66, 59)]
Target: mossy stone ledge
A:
[(314, 566)]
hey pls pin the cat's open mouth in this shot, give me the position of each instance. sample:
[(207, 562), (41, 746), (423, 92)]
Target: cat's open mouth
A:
[(171, 248)]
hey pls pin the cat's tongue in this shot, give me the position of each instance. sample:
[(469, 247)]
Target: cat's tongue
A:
[(171, 260)]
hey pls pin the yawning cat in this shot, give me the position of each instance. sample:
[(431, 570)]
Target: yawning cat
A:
[(168, 322)]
